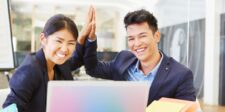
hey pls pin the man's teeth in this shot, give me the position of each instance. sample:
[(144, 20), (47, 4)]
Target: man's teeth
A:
[(61, 55), (140, 50)]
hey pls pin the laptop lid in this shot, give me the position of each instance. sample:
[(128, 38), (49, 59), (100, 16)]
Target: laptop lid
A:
[(97, 96)]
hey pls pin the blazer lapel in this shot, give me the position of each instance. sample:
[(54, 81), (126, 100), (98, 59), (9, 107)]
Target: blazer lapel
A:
[(130, 59), (43, 64), (159, 79)]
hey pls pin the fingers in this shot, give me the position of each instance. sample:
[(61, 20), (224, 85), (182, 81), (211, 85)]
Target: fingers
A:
[(88, 29), (92, 35), (94, 14), (84, 33), (90, 14)]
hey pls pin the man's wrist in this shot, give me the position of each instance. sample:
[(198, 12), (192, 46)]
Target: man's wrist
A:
[(91, 40), (81, 41)]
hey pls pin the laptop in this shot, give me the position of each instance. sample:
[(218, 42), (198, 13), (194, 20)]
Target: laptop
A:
[(97, 96)]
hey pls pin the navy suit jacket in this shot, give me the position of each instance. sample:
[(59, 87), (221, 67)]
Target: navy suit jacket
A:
[(173, 80), (29, 82)]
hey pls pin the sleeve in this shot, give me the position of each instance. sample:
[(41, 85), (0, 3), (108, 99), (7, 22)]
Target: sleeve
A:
[(22, 86), (76, 60), (186, 88), (94, 67)]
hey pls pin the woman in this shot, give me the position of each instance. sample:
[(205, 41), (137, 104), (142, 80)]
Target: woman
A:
[(58, 39)]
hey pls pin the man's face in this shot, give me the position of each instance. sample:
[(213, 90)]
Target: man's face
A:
[(142, 42)]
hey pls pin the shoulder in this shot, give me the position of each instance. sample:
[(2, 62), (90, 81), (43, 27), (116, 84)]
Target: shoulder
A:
[(177, 65), (29, 69), (177, 69), (172, 63), (125, 54), (30, 63), (124, 58)]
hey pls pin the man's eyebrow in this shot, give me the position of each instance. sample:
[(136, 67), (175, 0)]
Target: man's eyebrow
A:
[(142, 33)]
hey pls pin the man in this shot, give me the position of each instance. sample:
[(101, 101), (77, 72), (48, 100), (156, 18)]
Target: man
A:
[(145, 62)]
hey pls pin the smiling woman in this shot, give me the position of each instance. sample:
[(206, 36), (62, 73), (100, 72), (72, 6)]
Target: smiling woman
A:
[(29, 81), (54, 61), (58, 41)]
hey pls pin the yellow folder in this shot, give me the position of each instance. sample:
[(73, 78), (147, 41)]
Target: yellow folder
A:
[(161, 106)]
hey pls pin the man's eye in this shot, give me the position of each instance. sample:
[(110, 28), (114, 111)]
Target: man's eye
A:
[(130, 39), (59, 41)]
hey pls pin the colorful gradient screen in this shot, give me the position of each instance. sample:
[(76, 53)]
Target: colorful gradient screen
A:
[(101, 96)]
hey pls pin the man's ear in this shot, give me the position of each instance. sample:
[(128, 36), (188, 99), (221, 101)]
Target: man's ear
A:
[(157, 36), (43, 39)]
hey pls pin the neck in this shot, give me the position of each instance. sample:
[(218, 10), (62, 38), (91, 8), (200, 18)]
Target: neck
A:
[(50, 66), (50, 69), (150, 64)]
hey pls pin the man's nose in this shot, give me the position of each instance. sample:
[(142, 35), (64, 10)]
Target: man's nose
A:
[(137, 42)]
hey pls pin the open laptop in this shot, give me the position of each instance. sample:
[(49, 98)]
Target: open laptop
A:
[(97, 96)]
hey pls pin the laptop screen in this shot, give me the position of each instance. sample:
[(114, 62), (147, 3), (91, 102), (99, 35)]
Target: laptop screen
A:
[(97, 96)]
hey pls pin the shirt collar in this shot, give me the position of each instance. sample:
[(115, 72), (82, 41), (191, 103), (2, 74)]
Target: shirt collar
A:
[(154, 70)]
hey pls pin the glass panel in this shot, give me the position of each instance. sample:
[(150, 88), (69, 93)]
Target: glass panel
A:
[(182, 27), (172, 19), (222, 56), (197, 43)]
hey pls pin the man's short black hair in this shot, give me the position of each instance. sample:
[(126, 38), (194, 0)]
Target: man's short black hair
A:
[(140, 16)]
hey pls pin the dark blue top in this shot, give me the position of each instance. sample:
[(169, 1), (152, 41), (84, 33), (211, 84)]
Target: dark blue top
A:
[(29, 82)]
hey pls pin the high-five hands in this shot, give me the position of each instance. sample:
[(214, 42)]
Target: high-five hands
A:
[(88, 30)]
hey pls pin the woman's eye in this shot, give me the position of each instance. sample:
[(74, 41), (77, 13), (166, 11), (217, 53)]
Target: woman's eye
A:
[(71, 43)]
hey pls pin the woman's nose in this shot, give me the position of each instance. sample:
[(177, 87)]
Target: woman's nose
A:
[(64, 48)]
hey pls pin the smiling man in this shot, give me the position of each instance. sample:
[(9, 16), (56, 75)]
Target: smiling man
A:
[(145, 62)]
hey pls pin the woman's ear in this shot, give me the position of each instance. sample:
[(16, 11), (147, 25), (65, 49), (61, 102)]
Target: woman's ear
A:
[(43, 39)]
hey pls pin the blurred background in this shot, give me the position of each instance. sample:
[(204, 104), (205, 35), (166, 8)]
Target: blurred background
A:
[(192, 31)]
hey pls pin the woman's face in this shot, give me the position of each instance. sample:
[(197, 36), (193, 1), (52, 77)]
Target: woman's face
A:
[(58, 47)]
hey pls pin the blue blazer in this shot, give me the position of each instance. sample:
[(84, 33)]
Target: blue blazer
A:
[(173, 80), (29, 82)]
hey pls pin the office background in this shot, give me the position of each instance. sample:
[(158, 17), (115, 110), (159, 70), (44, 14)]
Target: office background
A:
[(192, 31)]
